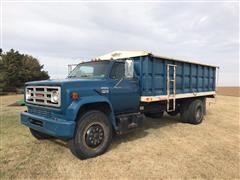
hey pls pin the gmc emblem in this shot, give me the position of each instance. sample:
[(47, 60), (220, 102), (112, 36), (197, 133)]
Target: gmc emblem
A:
[(39, 95)]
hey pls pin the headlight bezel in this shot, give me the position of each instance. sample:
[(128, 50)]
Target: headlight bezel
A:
[(28, 95)]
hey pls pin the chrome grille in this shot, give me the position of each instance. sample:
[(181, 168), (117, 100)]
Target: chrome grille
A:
[(42, 95)]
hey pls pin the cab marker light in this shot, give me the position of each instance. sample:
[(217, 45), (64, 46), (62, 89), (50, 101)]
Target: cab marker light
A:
[(74, 96)]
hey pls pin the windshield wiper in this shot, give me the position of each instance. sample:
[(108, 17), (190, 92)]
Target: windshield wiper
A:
[(84, 76), (71, 76)]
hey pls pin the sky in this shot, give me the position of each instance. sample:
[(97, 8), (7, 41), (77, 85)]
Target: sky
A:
[(62, 33)]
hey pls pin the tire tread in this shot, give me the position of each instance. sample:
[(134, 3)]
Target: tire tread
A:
[(83, 120)]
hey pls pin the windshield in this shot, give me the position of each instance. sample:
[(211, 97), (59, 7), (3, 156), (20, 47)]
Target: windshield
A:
[(93, 69)]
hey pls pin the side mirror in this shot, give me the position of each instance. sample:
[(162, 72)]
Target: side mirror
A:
[(129, 69)]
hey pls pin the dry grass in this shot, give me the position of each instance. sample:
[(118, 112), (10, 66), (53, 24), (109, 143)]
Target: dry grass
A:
[(161, 149)]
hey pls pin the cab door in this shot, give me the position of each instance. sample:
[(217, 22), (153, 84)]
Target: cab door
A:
[(123, 93)]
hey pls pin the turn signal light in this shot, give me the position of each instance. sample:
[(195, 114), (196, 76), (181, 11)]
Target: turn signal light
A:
[(74, 96)]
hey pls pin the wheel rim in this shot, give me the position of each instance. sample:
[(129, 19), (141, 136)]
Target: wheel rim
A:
[(94, 136), (199, 114)]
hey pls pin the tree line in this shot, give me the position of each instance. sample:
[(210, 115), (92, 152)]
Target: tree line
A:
[(17, 68)]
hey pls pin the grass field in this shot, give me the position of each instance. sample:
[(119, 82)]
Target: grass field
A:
[(161, 149)]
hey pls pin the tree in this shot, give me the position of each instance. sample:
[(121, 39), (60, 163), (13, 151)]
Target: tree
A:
[(16, 69)]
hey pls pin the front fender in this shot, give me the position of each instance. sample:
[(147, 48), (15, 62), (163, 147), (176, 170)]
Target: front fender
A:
[(73, 109)]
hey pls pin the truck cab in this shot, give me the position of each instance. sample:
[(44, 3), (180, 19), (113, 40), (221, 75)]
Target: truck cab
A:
[(85, 106), (97, 98)]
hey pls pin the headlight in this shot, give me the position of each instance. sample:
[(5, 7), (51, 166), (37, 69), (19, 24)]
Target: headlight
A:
[(28, 94), (55, 97)]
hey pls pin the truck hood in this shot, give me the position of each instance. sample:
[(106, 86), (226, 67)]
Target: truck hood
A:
[(65, 82)]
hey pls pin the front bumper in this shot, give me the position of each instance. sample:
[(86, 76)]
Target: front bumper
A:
[(58, 128)]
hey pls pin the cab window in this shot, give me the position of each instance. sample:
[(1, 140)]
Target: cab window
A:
[(117, 70)]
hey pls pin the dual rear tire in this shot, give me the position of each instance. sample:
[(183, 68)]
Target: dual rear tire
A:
[(193, 112)]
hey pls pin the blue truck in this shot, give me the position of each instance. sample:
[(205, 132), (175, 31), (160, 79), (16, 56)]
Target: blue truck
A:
[(112, 94)]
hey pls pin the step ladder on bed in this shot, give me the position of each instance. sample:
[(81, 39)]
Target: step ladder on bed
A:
[(171, 87)]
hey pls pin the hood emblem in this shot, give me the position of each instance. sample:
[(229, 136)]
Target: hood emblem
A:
[(104, 90)]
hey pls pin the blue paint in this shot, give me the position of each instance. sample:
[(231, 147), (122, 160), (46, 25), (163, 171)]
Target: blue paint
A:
[(189, 77), (124, 98), (58, 127)]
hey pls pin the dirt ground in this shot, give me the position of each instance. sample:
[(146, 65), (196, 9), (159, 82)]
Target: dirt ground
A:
[(229, 91), (159, 150)]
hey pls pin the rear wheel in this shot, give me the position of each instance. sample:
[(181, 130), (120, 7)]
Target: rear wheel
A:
[(93, 135), (38, 135), (184, 111), (196, 112), (155, 115), (192, 112)]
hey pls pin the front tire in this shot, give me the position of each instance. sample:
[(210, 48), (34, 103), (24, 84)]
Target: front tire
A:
[(93, 135), (38, 135)]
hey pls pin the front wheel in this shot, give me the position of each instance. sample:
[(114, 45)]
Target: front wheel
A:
[(93, 135)]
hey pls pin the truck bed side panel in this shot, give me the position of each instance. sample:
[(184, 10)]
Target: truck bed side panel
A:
[(190, 77)]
